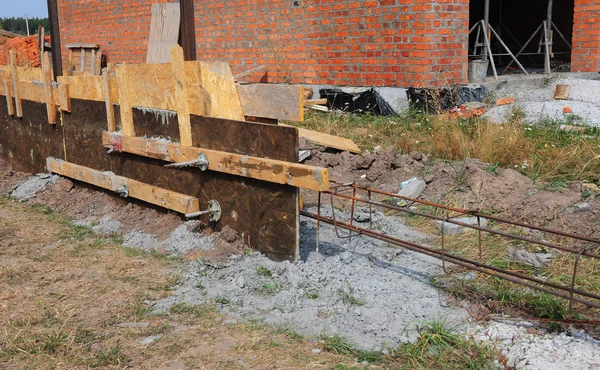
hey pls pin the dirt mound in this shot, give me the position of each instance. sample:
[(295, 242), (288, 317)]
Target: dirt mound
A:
[(473, 185)]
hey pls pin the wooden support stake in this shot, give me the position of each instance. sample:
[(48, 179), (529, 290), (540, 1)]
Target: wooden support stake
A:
[(181, 97), (15, 81), (9, 101), (148, 193), (110, 112), (124, 102), (270, 170), (47, 79), (63, 97)]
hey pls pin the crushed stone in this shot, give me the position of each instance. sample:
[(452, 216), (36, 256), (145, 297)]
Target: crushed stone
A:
[(29, 187), (527, 348)]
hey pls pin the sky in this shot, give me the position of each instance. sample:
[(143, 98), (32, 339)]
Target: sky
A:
[(18, 8)]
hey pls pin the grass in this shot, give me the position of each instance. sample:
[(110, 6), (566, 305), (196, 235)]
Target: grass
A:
[(347, 295), (543, 152), (438, 346), (62, 311)]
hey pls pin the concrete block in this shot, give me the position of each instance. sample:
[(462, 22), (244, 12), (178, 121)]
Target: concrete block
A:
[(453, 229), (412, 188)]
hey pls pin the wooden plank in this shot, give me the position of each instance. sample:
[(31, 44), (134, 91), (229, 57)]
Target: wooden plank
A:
[(329, 141), (183, 110), (47, 73), (110, 112), (164, 32), (187, 29), (82, 60), (272, 101), (124, 100), (279, 172), (15, 81), (62, 97), (107, 180), (55, 36), (217, 80), (77, 45), (154, 88), (9, 100)]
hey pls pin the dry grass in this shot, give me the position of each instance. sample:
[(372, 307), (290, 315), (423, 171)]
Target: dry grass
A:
[(542, 152), (63, 291)]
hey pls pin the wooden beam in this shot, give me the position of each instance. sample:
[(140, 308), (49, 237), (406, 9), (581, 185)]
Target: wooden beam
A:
[(15, 81), (272, 101), (62, 97), (55, 36), (47, 75), (9, 100), (187, 29), (110, 110), (280, 172), (183, 109), (124, 101), (148, 193), (329, 141)]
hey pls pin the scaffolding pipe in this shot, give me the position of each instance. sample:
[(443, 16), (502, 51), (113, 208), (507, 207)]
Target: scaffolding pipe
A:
[(486, 21)]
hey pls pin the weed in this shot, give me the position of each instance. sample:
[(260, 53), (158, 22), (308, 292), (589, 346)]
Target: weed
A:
[(183, 308), (586, 194), (556, 184), (110, 357), (336, 344), (270, 288), (222, 300), (139, 308), (348, 296), (263, 271), (493, 169)]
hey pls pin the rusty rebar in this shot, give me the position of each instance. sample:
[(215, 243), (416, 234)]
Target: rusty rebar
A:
[(512, 276)]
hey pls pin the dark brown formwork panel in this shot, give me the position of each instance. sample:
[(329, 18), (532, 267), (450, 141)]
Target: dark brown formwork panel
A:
[(265, 214)]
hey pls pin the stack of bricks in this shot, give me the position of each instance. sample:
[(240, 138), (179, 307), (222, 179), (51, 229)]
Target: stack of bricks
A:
[(586, 36), (26, 49)]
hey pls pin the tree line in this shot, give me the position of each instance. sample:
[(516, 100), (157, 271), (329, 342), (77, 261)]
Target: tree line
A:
[(19, 25)]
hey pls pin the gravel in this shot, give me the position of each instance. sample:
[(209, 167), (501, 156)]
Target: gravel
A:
[(526, 348), (33, 184)]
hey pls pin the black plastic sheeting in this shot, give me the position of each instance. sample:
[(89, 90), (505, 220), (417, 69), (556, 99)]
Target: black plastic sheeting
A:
[(436, 101), (369, 101)]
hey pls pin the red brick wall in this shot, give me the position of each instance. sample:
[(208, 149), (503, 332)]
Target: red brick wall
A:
[(121, 27), (360, 43), (586, 36)]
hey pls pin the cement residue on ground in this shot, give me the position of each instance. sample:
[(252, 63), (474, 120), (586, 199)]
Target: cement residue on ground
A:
[(360, 289), (535, 98), (28, 188)]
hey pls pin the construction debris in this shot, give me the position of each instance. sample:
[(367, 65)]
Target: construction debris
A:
[(412, 188), (506, 101), (26, 49), (453, 229), (528, 258), (562, 92)]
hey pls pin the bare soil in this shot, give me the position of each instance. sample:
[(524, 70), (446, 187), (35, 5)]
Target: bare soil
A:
[(473, 185)]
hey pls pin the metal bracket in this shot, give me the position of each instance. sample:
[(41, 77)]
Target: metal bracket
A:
[(123, 191), (201, 162), (214, 211)]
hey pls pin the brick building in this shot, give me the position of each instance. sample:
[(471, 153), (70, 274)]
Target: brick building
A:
[(381, 43)]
